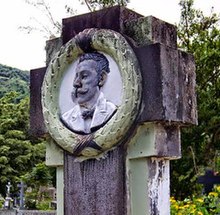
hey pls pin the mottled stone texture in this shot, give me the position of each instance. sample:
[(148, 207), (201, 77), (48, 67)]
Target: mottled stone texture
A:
[(109, 18), (155, 140), (37, 127), (148, 30), (52, 47), (168, 85), (167, 141), (95, 187), (158, 186)]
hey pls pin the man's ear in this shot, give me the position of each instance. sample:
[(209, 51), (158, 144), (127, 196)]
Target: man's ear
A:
[(103, 78)]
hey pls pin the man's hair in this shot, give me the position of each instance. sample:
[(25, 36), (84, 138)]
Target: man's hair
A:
[(102, 63)]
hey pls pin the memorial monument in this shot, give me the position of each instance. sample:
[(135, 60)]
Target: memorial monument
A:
[(111, 100)]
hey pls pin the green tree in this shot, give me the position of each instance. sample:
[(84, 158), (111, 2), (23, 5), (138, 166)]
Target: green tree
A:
[(40, 177), (199, 35), (12, 79), (18, 152)]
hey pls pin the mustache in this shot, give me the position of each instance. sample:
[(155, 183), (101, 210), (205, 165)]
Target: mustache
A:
[(75, 93)]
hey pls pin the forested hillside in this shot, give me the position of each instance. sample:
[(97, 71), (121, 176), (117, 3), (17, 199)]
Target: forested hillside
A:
[(12, 79), (20, 154)]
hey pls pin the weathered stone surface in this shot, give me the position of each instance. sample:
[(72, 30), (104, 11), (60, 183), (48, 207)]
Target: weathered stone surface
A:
[(96, 186), (187, 81), (148, 186), (148, 30), (52, 47), (167, 141), (7, 212), (168, 85), (155, 140), (110, 18), (54, 154), (142, 30), (158, 186), (37, 127)]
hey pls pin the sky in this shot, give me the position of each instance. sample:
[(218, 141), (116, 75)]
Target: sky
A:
[(26, 51)]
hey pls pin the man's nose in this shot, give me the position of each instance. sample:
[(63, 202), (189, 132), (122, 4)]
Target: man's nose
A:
[(77, 83)]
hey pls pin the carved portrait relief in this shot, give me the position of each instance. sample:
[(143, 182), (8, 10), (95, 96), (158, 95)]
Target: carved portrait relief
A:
[(89, 108)]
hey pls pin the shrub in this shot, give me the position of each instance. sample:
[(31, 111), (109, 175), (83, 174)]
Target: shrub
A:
[(203, 205)]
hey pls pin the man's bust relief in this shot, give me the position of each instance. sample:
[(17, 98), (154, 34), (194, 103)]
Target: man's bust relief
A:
[(92, 110)]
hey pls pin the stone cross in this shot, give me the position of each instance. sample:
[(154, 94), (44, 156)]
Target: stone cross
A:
[(209, 180), (131, 176), (8, 199), (8, 188), (21, 194)]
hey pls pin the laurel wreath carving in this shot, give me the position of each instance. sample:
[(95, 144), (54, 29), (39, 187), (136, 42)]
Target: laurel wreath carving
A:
[(107, 137)]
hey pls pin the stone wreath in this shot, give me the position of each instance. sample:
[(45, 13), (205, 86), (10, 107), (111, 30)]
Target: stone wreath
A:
[(116, 129)]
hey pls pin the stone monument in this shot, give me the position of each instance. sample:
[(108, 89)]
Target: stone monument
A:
[(111, 100), (8, 200)]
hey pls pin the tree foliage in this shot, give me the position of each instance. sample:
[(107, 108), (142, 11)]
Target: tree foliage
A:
[(38, 180), (12, 79), (39, 176), (200, 35), (18, 152)]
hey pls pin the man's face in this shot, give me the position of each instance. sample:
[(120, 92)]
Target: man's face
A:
[(86, 89)]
